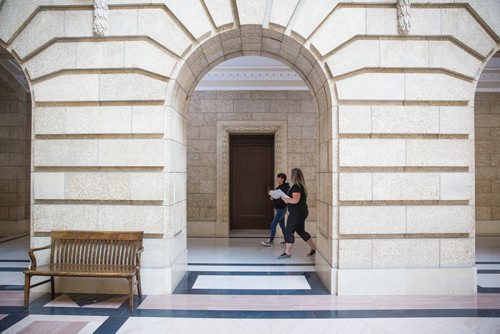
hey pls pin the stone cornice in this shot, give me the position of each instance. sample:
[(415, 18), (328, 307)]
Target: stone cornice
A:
[(252, 78)]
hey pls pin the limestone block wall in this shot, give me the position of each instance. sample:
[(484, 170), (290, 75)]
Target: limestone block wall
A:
[(396, 166), (295, 109), (15, 148), (487, 127), (406, 143)]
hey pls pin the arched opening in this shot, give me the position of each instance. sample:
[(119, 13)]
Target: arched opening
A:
[(15, 148), (208, 133), (487, 158), (244, 97)]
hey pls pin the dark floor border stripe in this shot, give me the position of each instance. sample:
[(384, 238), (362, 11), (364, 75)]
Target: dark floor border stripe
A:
[(270, 292), (14, 238), (12, 310), (487, 262), (488, 271), (252, 264), (480, 289), (13, 268), (322, 314), (261, 237), (119, 316), (251, 273), (11, 287), (13, 260), (10, 321), (111, 325)]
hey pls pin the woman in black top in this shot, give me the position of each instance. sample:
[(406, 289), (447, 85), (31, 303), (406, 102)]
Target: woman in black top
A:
[(280, 208), (298, 212)]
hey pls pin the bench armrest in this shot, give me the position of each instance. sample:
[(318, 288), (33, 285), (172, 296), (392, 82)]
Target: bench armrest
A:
[(138, 256), (32, 255)]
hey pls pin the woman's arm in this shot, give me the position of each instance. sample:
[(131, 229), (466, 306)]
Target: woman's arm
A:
[(294, 200)]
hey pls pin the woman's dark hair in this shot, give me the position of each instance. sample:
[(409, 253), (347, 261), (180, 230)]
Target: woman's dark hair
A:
[(282, 176)]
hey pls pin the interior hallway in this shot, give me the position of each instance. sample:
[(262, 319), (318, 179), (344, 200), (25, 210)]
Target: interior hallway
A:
[(236, 284)]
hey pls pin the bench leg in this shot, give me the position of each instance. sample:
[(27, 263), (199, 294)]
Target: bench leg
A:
[(27, 283), (52, 287), (139, 289), (130, 293)]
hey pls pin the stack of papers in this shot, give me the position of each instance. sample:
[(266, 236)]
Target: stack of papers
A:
[(278, 194)]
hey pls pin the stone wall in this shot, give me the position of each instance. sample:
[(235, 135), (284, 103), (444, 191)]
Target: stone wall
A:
[(296, 109), (15, 130), (487, 127)]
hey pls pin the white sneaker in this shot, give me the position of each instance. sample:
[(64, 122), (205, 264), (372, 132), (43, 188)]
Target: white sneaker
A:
[(267, 243)]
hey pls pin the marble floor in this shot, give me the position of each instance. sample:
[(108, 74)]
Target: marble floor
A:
[(237, 285)]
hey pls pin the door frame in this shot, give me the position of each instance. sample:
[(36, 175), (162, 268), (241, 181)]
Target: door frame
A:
[(224, 130)]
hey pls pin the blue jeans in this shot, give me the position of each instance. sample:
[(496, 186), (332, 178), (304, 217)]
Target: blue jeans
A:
[(279, 217)]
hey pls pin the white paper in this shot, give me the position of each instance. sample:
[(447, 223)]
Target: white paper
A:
[(277, 194)]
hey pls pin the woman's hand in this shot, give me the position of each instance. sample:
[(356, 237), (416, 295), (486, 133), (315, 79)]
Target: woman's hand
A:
[(284, 199)]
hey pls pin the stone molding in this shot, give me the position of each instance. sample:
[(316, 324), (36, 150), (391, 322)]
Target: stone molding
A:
[(243, 86), (100, 17), (226, 128), (491, 76), (404, 24), (252, 78)]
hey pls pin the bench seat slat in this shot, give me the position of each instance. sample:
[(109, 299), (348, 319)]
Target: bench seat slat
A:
[(84, 270)]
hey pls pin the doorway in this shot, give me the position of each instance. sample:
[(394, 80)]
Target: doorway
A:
[(251, 176)]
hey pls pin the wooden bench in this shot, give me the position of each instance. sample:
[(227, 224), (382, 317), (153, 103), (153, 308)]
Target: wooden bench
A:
[(89, 254)]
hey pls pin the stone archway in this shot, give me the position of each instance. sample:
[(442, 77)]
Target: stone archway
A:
[(15, 147), (486, 132), (254, 40)]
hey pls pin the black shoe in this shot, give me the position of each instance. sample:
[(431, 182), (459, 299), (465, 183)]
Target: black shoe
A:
[(312, 252), (282, 242), (283, 256)]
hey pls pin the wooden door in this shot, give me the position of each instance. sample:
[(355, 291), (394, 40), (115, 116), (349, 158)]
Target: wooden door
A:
[(251, 174)]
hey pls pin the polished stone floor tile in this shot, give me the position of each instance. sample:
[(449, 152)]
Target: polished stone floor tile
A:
[(252, 268), (88, 301), (488, 280), (351, 326), (251, 282), (320, 302), (244, 250), (16, 298), (488, 266), (51, 324)]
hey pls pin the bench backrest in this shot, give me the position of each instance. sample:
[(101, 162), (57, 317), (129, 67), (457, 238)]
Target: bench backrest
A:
[(90, 247)]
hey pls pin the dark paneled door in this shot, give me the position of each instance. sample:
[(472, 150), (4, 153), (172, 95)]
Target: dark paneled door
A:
[(251, 175)]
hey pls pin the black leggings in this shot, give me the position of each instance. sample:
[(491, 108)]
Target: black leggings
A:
[(296, 223)]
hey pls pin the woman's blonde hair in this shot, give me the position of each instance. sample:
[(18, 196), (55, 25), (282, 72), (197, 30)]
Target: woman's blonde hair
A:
[(297, 177)]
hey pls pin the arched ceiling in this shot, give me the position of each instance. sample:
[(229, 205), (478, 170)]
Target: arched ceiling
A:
[(489, 82), (11, 65)]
